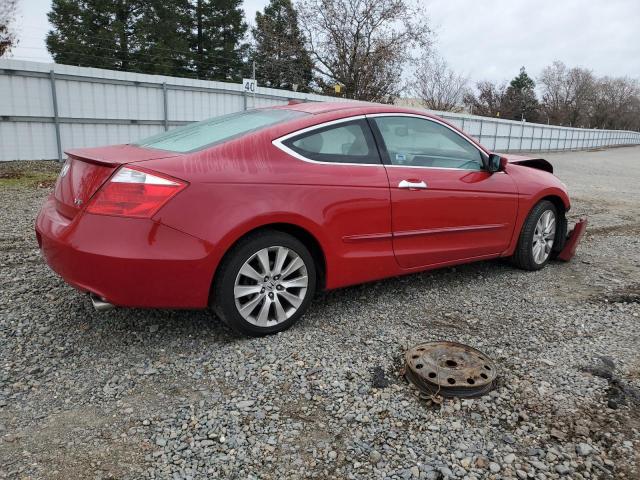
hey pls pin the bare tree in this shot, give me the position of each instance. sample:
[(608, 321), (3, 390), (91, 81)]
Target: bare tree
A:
[(488, 101), (555, 92), (362, 45), (8, 36), (616, 104), (437, 86), (574, 96), (582, 85), (567, 94)]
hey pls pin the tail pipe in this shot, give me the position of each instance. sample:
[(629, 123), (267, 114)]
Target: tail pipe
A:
[(100, 304)]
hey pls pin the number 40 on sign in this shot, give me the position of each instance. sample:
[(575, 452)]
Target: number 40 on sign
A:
[(249, 85)]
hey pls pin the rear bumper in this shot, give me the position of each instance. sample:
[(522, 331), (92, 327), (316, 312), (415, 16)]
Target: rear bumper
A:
[(573, 239), (126, 261)]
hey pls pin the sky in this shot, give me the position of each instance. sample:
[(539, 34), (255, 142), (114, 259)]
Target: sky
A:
[(481, 39)]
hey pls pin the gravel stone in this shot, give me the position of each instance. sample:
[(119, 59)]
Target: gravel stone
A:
[(164, 394), (245, 404), (584, 449), (446, 471)]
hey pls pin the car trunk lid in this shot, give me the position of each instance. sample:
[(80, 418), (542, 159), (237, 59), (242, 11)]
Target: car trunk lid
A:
[(87, 169)]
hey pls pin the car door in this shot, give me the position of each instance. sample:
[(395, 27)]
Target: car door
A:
[(446, 207), (345, 190)]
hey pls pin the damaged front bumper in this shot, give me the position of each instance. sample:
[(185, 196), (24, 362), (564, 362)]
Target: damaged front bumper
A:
[(573, 238)]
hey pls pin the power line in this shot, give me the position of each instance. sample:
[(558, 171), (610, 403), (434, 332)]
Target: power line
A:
[(192, 59), (167, 49), (134, 62), (190, 53), (266, 64)]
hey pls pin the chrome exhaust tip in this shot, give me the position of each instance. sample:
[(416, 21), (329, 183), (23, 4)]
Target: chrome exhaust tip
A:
[(100, 304)]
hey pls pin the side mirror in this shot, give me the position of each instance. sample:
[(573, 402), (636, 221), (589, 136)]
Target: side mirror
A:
[(496, 163)]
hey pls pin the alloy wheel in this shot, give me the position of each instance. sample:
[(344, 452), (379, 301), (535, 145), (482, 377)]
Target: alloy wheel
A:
[(270, 286), (543, 237)]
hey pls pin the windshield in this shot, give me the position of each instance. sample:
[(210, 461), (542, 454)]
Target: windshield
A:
[(199, 135)]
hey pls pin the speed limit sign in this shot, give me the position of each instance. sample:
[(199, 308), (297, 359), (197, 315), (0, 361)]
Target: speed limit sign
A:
[(249, 85)]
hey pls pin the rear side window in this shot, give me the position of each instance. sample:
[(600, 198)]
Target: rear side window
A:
[(346, 142), (212, 131)]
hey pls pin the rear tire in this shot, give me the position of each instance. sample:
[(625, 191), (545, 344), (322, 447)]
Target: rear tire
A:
[(264, 284), (538, 237)]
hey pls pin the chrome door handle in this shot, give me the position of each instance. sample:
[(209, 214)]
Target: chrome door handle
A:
[(408, 184)]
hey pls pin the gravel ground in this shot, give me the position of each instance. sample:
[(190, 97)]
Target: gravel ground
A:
[(173, 394)]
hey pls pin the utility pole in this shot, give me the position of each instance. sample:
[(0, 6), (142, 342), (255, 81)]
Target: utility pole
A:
[(199, 66), (253, 76)]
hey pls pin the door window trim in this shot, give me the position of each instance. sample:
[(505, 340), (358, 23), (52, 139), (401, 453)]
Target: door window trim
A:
[(383, 157), (279, 143), (383, 147)]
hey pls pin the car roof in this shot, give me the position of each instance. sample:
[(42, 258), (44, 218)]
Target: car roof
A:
[(326, 111), (316, 108), (323, 107)]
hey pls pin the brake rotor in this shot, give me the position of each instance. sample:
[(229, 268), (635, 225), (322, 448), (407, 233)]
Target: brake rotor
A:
[(450, 369)]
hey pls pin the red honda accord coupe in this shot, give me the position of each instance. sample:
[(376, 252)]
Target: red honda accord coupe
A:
[(251, 213)]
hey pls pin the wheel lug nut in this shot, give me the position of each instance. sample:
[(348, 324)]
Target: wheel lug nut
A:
[(262, 290), (279, 287), (266, 279), (277, 277), (270, 294)]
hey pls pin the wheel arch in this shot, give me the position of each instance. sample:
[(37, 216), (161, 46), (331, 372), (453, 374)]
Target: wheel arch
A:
[(559, 199), (309, 241), (558, 202), (297, 231)]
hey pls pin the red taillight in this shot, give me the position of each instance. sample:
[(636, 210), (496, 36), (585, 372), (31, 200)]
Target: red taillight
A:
[(134, 193)]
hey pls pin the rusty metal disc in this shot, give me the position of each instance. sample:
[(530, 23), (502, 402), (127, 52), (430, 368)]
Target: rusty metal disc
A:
[(450, 369)]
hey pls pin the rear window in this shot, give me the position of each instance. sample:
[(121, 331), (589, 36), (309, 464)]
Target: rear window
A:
[(199, 135)]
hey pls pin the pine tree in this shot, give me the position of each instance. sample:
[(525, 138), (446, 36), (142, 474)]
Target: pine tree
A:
[(520, 98), (94, 33), (217, 39), (146, 36), (281, 58), (164, 36)]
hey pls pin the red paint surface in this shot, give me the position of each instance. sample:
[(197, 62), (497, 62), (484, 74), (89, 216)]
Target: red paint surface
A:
[(366, 227), (575, 235)]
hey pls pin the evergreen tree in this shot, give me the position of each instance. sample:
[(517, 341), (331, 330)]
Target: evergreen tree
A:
[(164, 36), (76, 38), (131, 35), (217, 39), (281, 58), (200, 38), (520, 99)]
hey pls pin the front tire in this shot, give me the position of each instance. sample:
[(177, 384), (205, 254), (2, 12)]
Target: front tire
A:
[(537, 238), (264, 284)]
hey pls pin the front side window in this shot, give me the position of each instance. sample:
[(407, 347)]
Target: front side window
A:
[(346, 142), (212, 131), (418, 142)]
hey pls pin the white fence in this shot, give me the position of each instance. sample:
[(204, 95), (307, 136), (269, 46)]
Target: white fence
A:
[(47, 108)]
